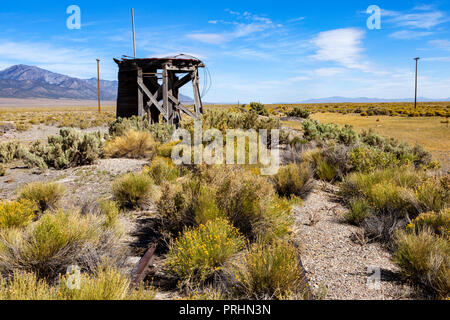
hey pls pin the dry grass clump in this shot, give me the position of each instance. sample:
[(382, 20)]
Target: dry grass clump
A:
[(385, 200), (25, 286), (57, 240), (110, 210), (294, 180), (16, 214), (162, 170), (132, 189), (267, 271), (358, 212), (45, 195), (424, 257), (2, 170), (199, 253), (107, 283), (190, 204), (247, 200), (133, 144), (244, 198)]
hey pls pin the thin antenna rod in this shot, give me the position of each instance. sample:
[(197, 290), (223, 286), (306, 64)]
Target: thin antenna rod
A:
[(134, 34), (98, 85), (415, 99)]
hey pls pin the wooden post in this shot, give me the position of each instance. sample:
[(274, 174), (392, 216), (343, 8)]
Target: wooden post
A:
[(134, 34), (197, 99), (98, 86), (141, 111), (166, 104)]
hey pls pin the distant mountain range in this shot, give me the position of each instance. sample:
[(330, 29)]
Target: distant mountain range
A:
[(367, 100), (22, 81)]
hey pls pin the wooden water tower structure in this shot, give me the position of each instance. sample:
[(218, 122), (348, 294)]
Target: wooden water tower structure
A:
[(150, 87)]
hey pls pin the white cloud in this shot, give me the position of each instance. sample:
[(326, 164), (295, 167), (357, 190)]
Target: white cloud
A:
[(443, 44), (437, 59), (211, 38), (343, 46), (424, 19), (246, 25), (408, 34), (296, 19), (328, 72)]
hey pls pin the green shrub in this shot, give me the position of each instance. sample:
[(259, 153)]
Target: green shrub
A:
[(267, 271), (187, 205), (368, 159), (132, 190), (359, 211), (10, 151), (122, 125), (244, 198), (70, 148), (50, 244), (133, 144), (326, 171), (294, 180), (16, 214), (259, 109), (45, 195), (162, 170), (162, 132), (439, 223), (432, 196), (110, 210), (199, 253), (299, 113), (424, 257)]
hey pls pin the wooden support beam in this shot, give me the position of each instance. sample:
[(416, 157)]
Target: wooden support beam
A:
[(141, 111), (165, 93), (197, 99), (153, 98), (187, 78), (180, 106)]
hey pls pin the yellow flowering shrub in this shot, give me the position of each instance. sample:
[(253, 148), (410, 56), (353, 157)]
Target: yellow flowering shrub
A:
[(200, 252), (16, 213)]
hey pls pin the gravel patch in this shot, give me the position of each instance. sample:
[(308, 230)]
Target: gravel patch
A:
[(335, 261)]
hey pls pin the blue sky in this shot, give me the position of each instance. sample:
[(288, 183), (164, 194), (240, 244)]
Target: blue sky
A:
[(268, 51)]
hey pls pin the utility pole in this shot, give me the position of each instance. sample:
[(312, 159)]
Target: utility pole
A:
[(134, 34), (98, 85), (415, 99)]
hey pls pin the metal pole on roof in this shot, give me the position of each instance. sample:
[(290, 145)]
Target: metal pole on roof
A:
[(134, 34), (415, 99), (98, 85)]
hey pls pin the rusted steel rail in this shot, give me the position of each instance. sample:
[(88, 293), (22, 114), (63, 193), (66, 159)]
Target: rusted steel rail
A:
[(141, 270)]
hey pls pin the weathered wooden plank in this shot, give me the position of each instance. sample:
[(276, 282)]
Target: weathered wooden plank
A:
[(153, 98), (141, 111), (165, 94), (180, 106)]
